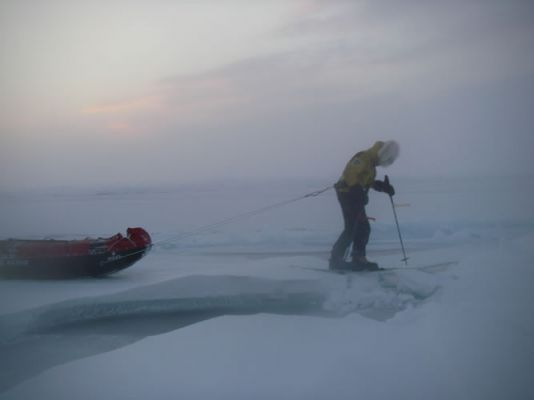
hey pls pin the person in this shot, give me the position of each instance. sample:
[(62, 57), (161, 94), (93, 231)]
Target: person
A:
[(352, 192)]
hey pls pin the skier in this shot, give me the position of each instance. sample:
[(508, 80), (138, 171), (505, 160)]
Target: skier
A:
[(351, 189)]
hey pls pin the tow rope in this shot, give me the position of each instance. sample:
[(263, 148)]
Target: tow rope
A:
[(240, 217)]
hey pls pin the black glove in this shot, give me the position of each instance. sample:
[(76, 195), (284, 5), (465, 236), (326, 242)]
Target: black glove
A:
[(389, 188), (384, 186)]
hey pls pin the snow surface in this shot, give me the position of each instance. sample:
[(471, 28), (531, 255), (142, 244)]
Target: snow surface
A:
[(248, 310)]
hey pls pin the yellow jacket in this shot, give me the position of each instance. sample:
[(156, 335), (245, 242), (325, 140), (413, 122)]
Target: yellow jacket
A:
[(360, 170)]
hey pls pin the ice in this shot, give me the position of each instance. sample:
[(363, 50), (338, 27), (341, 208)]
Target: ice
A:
[(248, 310)]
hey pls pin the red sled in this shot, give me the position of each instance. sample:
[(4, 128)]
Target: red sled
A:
[(55, 259)]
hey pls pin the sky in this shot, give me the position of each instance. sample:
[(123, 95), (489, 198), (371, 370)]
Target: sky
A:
[(127, 92)]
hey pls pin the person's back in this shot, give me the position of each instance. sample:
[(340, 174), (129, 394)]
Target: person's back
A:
[(361, 169)]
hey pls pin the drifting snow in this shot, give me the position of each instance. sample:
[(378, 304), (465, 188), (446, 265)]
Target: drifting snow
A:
[(249, 311)]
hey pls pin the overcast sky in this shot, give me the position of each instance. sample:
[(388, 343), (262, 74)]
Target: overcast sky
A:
[(160, 91)]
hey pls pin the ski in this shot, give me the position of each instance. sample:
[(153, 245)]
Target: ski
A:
[(423, 268)]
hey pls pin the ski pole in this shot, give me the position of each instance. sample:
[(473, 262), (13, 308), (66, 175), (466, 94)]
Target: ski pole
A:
[(405, 259)]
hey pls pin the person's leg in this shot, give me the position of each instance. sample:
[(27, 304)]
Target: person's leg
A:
[(348, 209), (362, 230)]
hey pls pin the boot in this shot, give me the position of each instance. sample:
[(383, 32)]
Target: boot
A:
[(361, 263)]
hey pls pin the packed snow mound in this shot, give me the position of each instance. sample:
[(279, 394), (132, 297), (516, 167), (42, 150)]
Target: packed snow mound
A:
[(118, 320), (338, 295)]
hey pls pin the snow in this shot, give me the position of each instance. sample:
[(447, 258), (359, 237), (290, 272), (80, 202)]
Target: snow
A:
[(248, 310)]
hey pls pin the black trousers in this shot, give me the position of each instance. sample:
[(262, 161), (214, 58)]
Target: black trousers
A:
[(357, 228)]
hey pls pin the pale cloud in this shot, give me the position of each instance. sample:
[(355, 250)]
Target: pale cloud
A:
[(60, 56), (311, 86), (121, 127), (451, 43), (185, 101), (350, 50), (124, 107)]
